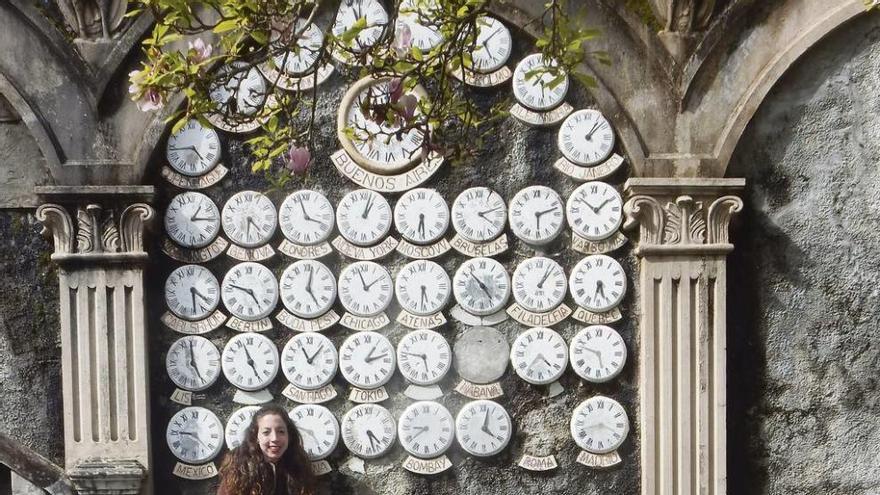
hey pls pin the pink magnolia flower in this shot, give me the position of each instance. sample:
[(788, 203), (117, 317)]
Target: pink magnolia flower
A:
[(299, 158), (408, 105), (199, 51), (395, 86), (147, 99), (402, 43)]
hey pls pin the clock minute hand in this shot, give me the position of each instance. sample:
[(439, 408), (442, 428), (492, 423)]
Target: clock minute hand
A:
[(544, 278), (318, 351), (421, 429), (250, 361), (192, 362)]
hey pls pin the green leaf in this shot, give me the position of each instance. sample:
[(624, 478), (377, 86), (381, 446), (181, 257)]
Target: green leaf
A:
[(224, 26), (586, 80), (417, 54)]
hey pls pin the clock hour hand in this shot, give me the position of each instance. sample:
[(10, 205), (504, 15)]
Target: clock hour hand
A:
[(597, 353), (603, 204), (250, 361), (367, 287), (480, 283), (422, 224), (192, 362), (485, 426), (309, 287), (249, 292), (307, 218), (370, 359), (544, 278), (600, 290), (482, 214), (193, 148), (312, 358), (250, 221), (584, 201), (196, 437), (367, 208), (424, 298), (373, 438), (196, 213), (595, 126), (421, 429), (192, 292), (363, 282)]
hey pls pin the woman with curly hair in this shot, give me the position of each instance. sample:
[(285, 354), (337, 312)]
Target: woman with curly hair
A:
[(270, 459)]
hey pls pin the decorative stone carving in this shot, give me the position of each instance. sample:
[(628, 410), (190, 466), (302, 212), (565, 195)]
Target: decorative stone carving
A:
[(92, 19), (107, 477), (684, 16), (97, 231)]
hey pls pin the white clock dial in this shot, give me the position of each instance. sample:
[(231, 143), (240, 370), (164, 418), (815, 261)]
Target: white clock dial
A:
[(249, 291), (318, 429), (350, 11), (193, 150), (597, 353), (539, 356), (479, 214), (535, 92), (237, 425), (306, 50), (536, 215), (481, 286), (539, 284), (586, 137), (483, 428), (308, 288), (493, 45), (599, 425), (192, 292), (363, 217), (250, 361), (192, 220), (239, 90), (309, 360), (194, 435), (597, 283), (426, 429), (249, 219), (424, 357), (422, 287), (415, 14), (366, 360), (368, 430), (421, 216), (365, 288), (193, 363), (306, 217), (594, 211)]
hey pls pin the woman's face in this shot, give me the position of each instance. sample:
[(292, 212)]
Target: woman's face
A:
[(272, 436)]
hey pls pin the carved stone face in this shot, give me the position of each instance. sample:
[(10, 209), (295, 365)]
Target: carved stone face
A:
[(95, 18)]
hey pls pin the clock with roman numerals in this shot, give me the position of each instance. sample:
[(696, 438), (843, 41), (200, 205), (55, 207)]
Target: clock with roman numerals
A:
[(426, 429), (368, 430), (250, 361), (193, 150), (536, 87), (306, 217), (539, 356), (318, 429), (194, 435), (421, 216), (249, 219), (192, 292), (599, 425), (594, 211), (539, 284), (597, 353), (483, 428), (586, 138), (598, 283), (193, 363), (366, 360), (363, 217)]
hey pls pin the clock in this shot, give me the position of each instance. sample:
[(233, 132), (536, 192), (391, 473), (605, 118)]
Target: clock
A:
[(237, 425), (423, 357), (481, 286), (249, 291), (599, 425), (479, 214), (597, 283), (492, 46), (249, 219), (317, 428), (539, 356), (193, 150), (192, 292), (426, 429), (483, 428), (194, 435), (535, 92), (597, 353), (594, 211), (309, 361), (367, 360), (412, 13), (363, 217), (586, 137), (539, 284), (308, 288), (306, 49), (368, 430), (422, 287), (192, 220), (239, 90), (421, 216), (250, 361), (306, 217), (365, 288), (193, 363), (348, 14), (481, 355), (536, 215)]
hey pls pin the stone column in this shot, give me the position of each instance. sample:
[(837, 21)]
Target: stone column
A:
[(683, 245)]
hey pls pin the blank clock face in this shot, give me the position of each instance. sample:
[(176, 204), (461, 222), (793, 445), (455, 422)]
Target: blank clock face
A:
[(536, 92), (306, 217), (481, 286), (194, 435), (308, 288), (192, 292), (249, 291), (366, 360), (368, 430), (595, 211), (422, 287), (250, 361), (192, 220), (376, 19), (365, 288), (363, 217), (237, 425), (249, 219), (239, 90), (426, 429), (598, 283), (539, 356), (539, 284), (598, 353), (309, 360), (193, 363), (599, 425), (421, 216), (193, 150), (479, 214), (318, 429), (424, 357), (536, 215), (586, 138), (301, 59), (483, 428), (493, 45)]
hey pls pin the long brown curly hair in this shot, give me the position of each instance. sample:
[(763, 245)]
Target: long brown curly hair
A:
[(245, 470)]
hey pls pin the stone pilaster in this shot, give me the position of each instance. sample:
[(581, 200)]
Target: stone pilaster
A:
[(683, 245)]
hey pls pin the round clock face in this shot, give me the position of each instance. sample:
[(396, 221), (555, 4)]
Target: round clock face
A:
[(481, 286), (421, 216), (193, 363), (367, 360), (594, 211), (249, 219), (250, 361), (301, 60), (237, 425), (309, 361), (422, 287), (364, 217), (599, 425), (586, 137), (318, 429), (598, 353), (424, 357), (539, 356), (597, 283), (194, 435), (308, 288), (239, 90), (412, 13), (193, 150), (481, 355), (192, 292), (306, 218), (192, 220), (426, 429), (365, 288), (483, 428), (536, 215), (493, 45), (368, 430), (350, 11), (535, 92), (479, 214), (249, 291), (539, 284)]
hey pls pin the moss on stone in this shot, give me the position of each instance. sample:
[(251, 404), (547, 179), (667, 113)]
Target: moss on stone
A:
[(642, 9)]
